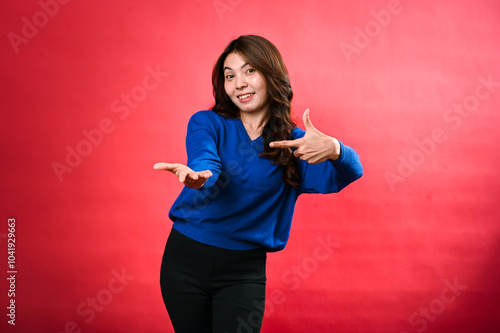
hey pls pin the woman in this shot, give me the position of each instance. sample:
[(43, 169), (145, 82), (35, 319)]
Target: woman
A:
[(247, 164)]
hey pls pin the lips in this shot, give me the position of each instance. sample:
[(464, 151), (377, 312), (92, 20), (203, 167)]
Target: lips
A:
[(244, 97)]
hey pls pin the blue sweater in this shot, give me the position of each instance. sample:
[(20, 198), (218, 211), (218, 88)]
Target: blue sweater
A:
[(245, 204)]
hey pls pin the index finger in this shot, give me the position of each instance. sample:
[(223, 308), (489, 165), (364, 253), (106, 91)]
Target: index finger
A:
[(285, 144), (164, 166)]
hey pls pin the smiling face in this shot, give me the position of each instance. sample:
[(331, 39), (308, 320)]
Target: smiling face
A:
[(244, 85)]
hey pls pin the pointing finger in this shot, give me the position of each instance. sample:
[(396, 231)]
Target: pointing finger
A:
[(285, 144)]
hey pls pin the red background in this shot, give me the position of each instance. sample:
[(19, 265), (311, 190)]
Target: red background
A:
[(423, 217)]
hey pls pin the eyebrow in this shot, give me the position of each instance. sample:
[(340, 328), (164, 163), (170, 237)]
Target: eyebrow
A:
[(245, 64)]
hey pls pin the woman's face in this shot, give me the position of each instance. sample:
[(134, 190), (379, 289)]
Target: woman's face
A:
[(244, 85)]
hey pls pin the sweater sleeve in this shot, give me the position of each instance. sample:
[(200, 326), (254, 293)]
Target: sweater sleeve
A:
[(331, 176), (201, 147)]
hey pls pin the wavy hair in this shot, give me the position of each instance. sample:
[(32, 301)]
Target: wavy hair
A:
[(262, 55)]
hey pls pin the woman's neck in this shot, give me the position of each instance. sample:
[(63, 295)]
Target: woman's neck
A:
[(254, 122)]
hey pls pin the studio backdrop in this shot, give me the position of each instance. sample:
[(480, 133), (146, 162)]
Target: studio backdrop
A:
[(95, 92)]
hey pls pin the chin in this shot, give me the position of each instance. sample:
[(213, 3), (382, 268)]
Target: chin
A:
[(248, 108)]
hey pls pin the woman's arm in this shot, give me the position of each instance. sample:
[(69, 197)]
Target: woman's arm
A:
[(315, 147), (327, 165), (203, 166)]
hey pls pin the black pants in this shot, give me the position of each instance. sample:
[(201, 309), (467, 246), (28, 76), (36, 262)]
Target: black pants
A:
[(210, 289)]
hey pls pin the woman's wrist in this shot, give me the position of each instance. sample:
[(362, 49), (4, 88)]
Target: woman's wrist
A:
[(335, 149)]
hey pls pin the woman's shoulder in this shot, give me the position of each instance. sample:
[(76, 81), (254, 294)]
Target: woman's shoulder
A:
[(208, 119), (207, 115)]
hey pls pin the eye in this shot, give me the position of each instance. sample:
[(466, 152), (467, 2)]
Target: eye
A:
[(251, 71), (229, 76)]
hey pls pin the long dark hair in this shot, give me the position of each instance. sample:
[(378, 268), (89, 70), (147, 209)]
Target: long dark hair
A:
[(262, 55)]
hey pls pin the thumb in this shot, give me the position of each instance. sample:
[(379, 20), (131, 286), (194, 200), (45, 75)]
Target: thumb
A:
[(307, 121)]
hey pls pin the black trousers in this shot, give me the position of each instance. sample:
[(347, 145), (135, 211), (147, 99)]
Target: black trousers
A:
[(210, 289)]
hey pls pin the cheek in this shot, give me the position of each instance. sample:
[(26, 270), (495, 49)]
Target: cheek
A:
[(228, 88), (260, 83), (263, 90)]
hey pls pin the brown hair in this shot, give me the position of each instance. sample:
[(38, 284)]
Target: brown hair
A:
[(262, 55)]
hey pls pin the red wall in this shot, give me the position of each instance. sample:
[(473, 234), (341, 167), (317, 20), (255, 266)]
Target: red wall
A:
[(94, 93)]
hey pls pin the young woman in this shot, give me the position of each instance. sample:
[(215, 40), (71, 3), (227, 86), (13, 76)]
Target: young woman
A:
[(247, 165)]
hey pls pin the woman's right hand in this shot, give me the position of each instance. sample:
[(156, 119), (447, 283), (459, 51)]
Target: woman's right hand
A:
[(190, 178)]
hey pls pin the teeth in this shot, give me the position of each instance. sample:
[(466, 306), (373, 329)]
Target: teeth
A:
[(245, 96)]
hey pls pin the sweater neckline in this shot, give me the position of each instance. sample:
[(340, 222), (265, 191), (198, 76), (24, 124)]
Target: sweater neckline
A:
[(244, 133)]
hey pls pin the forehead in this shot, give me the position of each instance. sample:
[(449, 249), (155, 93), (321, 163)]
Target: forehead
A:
[(234, 61)]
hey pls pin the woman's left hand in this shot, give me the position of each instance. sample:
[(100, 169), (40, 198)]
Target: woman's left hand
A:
[(314, 147), (186, 175)]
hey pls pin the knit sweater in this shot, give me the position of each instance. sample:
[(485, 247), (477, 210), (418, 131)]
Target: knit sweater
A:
[(245, 204)]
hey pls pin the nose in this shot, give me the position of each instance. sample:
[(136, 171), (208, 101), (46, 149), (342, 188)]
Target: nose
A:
[(241, 82)]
